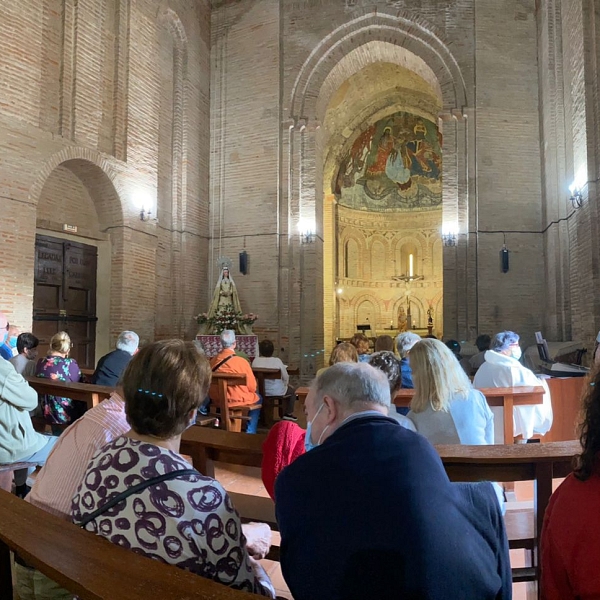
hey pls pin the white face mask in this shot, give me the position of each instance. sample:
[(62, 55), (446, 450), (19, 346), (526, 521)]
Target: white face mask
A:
[(516, 353)]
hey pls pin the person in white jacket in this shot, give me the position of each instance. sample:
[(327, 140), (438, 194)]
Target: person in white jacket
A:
[(19, 442), (503, 369)]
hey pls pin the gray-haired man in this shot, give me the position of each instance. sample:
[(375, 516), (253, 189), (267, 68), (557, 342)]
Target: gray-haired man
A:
[(111, 365)]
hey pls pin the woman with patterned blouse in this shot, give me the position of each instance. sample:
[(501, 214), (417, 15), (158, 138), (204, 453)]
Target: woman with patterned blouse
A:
[(57, 365), (186, 519)]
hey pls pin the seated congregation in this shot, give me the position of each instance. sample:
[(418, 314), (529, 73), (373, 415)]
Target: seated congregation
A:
[(363, 503)]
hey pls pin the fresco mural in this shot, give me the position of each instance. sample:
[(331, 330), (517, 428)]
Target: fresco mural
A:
[(395, 164)]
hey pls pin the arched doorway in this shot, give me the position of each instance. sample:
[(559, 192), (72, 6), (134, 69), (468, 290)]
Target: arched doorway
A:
[(77, 203), (382, 180), (370, 38)]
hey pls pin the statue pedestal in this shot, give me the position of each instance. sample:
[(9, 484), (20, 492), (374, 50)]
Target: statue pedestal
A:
[(245, 343)]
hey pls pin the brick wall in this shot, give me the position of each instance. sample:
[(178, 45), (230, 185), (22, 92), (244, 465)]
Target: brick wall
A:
[(91, 99), (568, 71)]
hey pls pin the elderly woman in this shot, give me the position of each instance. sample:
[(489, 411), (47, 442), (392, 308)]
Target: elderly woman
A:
[(390, 365), (404, 343), (571, 533), (361, 342), (138, 492), (503, 369), (57, 365), (344, 352)]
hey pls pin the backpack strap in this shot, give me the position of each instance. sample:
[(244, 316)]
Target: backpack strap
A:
[(135, 489), (220, 364)]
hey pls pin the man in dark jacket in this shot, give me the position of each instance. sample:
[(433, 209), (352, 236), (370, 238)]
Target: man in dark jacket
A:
[(111, 365), (369, 512)]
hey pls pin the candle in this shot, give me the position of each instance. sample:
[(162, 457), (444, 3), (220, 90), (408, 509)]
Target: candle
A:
[(410, 265)]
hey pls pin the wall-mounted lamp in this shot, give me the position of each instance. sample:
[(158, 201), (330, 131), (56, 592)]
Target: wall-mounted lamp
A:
[(145, 214), (450, 235), (306, 227), (576, 197)]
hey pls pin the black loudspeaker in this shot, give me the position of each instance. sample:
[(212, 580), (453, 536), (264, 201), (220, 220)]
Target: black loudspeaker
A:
[(504, 260), (243, 262)]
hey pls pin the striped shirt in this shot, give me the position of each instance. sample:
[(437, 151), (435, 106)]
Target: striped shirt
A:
[(57, 482)]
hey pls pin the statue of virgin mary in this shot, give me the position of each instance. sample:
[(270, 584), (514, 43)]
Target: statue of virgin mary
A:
[(225, 296)]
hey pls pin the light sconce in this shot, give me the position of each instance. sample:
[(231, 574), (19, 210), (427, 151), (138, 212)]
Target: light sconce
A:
[(576, 197), (450, 235), (145, 214), (306, 228)]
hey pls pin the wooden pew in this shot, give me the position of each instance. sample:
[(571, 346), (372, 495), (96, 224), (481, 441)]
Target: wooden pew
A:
[(518, 462), (512, 462), (92, 395), (262, 373), (89, 565), (230, 417), (507, 398)]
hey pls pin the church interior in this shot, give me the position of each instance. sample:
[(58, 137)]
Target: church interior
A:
[(318, 168)]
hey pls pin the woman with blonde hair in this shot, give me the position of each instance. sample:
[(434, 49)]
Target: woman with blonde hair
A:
[(57, 365), (445, 408)]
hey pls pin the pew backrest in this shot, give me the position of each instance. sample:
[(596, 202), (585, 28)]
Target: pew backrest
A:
[(91, 394), (90, 566)]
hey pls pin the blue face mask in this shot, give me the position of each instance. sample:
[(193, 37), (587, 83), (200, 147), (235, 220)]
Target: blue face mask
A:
[(308, 445), (12, 341), (3, 335)]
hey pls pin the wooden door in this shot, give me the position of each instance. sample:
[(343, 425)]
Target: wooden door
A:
[(64, 296)]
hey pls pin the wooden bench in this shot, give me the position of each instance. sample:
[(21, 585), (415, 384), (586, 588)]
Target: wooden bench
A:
[(506, 398), (230, 417), (517, 462), (269, 402), (90, 566), (512, 462), (91, 394)]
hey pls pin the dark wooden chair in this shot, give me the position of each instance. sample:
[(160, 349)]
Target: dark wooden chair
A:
[(270, 403), (230, 416)]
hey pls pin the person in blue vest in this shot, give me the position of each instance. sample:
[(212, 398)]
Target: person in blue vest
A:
[(111, 365), (369, 512)]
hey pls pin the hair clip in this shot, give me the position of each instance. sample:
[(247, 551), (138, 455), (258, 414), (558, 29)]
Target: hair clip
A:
[(149, 393)]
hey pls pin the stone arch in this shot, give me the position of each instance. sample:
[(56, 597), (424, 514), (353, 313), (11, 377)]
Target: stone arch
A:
[(401, 39), (356, 303), (347, 234), (351, 256), (417, 241), (383, 37), (97, 175)]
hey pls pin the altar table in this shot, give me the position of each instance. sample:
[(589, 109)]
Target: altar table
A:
[(245, 343)]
